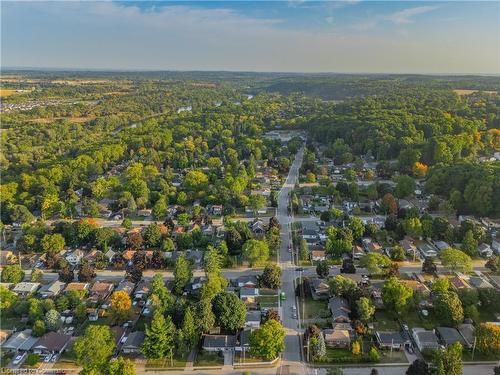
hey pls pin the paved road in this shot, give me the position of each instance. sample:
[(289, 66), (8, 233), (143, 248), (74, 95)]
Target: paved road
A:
[(292, 354)]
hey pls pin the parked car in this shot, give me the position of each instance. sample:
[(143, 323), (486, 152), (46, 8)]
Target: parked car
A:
[(18, 359)]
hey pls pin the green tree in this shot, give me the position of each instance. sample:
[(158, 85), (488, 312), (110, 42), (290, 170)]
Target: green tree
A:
[(159, 337), (405, 186), (161, 298), (322, 269), (268, 341), (189, 333), (448, 308), (95, 347), (256, 202), (36, 275), (365, 309), (52, 320), (397, 253), (53, 242), (271, 277), (32, 359), (440, 286), (152, 235), (255, 251), (205, 318), (375, 263), (12, 274), (230, 311), (38, 328), (456, 260), (469, 243), (449, 361), (182, 274), (7, 298), (418, 367), (121, 366), (396, 295)]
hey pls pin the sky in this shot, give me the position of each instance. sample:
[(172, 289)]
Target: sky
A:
[(457, 37)]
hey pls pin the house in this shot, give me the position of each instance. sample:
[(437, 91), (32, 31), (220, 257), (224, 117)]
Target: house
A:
[(392, 339), (51, 343), (74, 258), (485, 250), (21, 341), (249, 294), (416, 286), (194, 256), (441, 245), (449, 336), (243, 342), (110, 254), (133, 343), (425, 339), (76, 286), (247, 281), (125, 285), (215, 210), (194, 285), (427, 250), (370, 246), (318, 255), (310, 235), (495, 245), (23, 288), (357, 251), (144, 212), (7, 257), (340, 310), (408, 246), (479, 282), (52, 289), (217, 343), (253, 319), (257, 228), (100, 291), (467, 331), (93, 314), (338, 338), (459, 283), (320, 289), (142, 289)]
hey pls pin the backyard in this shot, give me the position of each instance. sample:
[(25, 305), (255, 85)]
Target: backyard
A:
[(204, 358)]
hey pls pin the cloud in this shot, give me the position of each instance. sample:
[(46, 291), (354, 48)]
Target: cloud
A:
[(108, 35), (329, 20), (406, 16)]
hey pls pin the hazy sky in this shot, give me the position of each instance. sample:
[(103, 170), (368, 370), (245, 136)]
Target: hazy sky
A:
[(302, 36)]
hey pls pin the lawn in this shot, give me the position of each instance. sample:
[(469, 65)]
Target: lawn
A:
[(11, 323), (314, 309), (238, 358), (478, 356), (166, 363), (414, 319), (267, 301), (204, 358), (385, 321)]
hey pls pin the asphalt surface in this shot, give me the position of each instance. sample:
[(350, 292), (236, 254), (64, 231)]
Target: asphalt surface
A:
[(289, 310)]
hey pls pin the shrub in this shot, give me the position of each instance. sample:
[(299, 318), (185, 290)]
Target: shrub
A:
[(32, 359)]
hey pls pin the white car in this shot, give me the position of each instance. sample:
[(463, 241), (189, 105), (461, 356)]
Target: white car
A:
[(18, 359), (47, 359)]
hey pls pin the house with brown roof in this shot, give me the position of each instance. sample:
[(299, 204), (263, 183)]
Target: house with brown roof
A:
[(459, 283), (416, 286), (339, 338), (51, 343), (76, 286), (100, 291)]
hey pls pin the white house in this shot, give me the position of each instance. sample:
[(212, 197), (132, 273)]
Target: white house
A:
[(75, 257)]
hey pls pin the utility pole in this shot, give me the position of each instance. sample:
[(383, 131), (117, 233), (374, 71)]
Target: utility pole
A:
[(474, 347)]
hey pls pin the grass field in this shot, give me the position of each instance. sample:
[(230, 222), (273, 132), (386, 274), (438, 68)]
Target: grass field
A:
[(468, 92), (7, 92), (384, 321), (208, 359), (315, 309), (75, 120), (166, 363)]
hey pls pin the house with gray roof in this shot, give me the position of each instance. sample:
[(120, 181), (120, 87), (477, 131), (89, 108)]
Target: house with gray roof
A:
[(340, 310), (51, 343), (425, 339), (21, 341), (449, 336), (52, 289), (133, 343), (217, 343), (467, 331), (392, 339), (23, 289)]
